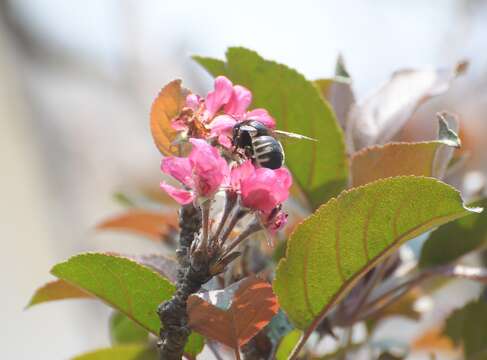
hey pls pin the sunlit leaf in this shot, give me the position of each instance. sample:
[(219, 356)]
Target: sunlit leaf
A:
[(468, 327), (287, 344), (152, 224), (450, 242), (165, 107), (379, 117), (133, 289), (334, 248), (121, 352), (297, 106), (396, 159), (57, 290), (234, 315), (125, 331), (125, 285)]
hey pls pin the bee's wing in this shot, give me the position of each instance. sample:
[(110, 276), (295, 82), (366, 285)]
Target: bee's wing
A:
[(291, 135)]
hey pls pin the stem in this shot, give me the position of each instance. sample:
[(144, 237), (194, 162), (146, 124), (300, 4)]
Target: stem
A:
[(237, 354), (230, 201), (193, 272), (251, 229), (205, 213), (237, 216)]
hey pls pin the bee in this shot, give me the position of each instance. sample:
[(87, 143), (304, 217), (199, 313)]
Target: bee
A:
[(260, 143)]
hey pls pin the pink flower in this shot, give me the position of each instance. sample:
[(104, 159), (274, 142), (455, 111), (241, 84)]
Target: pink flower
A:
[(261, 189), (202, 172), (239, 101), (275, 221), (220, 96), (222, 108)]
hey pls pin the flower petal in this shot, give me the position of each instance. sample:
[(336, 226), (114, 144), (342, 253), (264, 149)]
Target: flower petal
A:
[(241, 172), (179, 168), (220, 96), (265, 189), (183, 197), (210, 169), (193, 101), (239, 102), (262, 116)]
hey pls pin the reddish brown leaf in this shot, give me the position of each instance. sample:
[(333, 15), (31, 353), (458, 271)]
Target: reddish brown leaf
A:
[(165, 107), (154, 225), (57, 290), (252, 307)]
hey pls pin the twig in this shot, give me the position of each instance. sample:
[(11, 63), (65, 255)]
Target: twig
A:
[(193, 272)]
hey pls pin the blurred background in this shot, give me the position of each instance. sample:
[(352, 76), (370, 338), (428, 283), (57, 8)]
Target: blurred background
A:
[(77, 81)]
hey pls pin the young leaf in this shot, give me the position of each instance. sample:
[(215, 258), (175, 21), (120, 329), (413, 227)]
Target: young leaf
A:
[(121, 352), (133, 289), (450, 242), (333, 248), (57, 290), (468, 326), (396, 159), (125, 331), (165, 107), (377, 119), (155, 225), (238, 314), (297, 107)]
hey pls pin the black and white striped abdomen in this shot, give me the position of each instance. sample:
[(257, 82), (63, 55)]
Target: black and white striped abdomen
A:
[(267, 152)]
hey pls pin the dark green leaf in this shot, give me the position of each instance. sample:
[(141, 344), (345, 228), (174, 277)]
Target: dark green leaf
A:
[(297, 106), (468, 326), (332, 249), (456, 239)]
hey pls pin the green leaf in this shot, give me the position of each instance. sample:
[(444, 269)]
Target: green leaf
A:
[(125, 285), (57, 290), (195, 345), (125, 331), (333, 248), (468, 326), (297, 107), (456, 239), (287, 344), (214, 66), (133, 289), (121, 352)]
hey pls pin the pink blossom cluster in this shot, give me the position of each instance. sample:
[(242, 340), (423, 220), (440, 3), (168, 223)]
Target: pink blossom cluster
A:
[(208, 123)]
